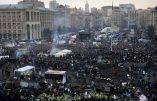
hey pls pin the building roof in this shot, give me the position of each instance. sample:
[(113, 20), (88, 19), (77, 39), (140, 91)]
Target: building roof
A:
[(16, 6), (61, 7), (43, 9), (22, 6)]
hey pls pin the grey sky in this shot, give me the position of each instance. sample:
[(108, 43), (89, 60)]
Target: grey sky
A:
[(94, 3)]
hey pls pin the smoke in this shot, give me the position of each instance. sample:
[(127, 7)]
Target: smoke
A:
[(58, 22)]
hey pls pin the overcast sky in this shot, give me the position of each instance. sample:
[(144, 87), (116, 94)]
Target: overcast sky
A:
[(95, 3)]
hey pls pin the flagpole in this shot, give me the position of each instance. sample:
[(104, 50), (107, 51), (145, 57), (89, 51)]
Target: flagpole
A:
[(111, 48)]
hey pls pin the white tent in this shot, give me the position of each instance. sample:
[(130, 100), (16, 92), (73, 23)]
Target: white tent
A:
[(143, 98), (9, 45), (54, 51), (4, 57), (62, 53), (24, 70), (74, 37), (106, 30), (55, 72), (143, 40)]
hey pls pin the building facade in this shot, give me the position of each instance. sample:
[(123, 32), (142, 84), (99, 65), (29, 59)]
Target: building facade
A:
[(53, 5), (46, 20), (19, 22), (96, 19), (117, 16), (86, 7), (35, 3), (77, 19), (27, 20)]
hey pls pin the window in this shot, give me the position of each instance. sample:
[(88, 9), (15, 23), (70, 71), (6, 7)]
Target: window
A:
[(13, 19), (27, 16), (9, 31), (14, 31), (19, 31)]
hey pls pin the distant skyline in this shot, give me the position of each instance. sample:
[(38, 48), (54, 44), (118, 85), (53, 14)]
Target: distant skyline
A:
[(94, 3)]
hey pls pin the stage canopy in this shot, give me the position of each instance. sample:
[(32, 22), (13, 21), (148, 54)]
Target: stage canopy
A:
[(56, 75)]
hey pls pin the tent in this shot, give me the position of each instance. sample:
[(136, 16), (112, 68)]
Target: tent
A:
[(9, 45), (56, 75), (4, 57), (62, 53), (27, 70), (74, 37), (106, 30), (143, 98), (143, 40), (54, 51)]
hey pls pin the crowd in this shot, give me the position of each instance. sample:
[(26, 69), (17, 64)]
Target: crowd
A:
[(94, 73)]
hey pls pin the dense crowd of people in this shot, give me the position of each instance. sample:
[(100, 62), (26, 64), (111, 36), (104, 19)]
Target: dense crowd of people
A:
[(94, 73)]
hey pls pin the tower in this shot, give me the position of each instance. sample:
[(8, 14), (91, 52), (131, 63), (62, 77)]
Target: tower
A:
[(53, 5), (87, 7)]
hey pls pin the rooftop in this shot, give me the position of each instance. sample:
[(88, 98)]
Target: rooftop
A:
[(16, 6)]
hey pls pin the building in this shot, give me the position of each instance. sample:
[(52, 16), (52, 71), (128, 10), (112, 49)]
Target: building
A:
[(46, 20), (106, 12), (126, 8), (117, 16), (154, 18), (132, 18), (77, 19), (87, 21), (147, 17), (35, 3), (19, 22), (53, 5), (64, 20), (86, 7), (140, 19), (27, 20), (96, 22)]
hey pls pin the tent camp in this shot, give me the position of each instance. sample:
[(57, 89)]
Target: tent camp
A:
[(27, 70), (56, 75)]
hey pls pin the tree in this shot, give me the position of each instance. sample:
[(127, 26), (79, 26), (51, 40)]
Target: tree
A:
[(150, 32)]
